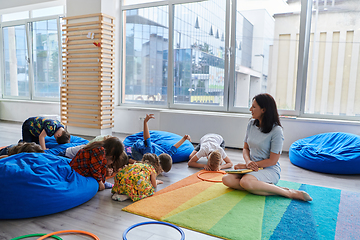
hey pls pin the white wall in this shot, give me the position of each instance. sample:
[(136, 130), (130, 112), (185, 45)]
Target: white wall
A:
[(18, 111), (230, 125)]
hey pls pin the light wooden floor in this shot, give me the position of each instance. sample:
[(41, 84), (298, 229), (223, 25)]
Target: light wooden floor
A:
[(104, 218)]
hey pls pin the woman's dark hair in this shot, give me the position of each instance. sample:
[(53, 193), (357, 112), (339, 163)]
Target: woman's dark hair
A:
[(270, 116), (113, 148)]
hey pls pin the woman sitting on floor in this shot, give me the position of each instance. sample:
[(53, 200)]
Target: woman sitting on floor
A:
[(262, 148)]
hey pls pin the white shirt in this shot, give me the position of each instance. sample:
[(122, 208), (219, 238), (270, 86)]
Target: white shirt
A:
[(209, 143)]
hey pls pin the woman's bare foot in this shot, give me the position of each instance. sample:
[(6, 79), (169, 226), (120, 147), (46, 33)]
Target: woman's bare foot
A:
[(300, 195)]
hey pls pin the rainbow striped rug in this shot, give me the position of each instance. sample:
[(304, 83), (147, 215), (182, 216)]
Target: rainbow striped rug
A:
[(212, 208)]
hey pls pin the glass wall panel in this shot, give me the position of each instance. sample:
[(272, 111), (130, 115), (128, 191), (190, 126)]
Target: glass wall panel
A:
[(127, 2), (16, 68), (45, 52), (333, 83), (199, 53), (145, 55), (266, 47), (43, 12), (15, 16)]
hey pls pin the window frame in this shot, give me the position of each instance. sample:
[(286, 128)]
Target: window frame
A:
[(170, 93), (28, 24), (303, 49)]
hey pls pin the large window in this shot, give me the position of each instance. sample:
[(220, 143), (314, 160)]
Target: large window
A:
[(218, 54), (333, 81), (16, 61), (45, 55), (145, 58), (30, 50), (199, 53)]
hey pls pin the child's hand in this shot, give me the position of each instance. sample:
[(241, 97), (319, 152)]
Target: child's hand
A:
[(159, 182), (187, 137), (148, 117), (207, 168)]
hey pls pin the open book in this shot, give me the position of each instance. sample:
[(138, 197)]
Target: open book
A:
[(240, 171)]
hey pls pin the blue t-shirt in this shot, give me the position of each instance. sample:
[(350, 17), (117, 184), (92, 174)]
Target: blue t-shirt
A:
[(140, 147), (261, 144)]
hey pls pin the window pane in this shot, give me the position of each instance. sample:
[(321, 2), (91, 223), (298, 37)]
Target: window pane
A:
[(199, 53), (15, 16), (46, 59), (333, 83), (146, 55), (48, 11), (130, 2), (266, 51), (15, 60)]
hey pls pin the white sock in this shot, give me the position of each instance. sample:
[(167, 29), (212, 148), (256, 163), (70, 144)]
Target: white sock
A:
[(119, 197)]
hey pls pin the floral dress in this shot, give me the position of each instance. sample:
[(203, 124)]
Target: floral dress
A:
[(134, 181)]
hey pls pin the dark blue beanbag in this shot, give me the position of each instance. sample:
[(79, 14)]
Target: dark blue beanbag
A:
[(37, 184), (165, 140), (55, 148), (334, 152)]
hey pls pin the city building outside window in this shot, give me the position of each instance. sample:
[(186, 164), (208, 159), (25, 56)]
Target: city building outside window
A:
[(215, 65)]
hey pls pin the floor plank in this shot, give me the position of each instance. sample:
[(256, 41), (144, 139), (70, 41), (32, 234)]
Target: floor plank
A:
[(104, 218)]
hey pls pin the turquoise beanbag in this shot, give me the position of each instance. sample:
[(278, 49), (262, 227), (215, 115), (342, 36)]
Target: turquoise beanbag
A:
[(334, 152), (165, 140), (37, 184)]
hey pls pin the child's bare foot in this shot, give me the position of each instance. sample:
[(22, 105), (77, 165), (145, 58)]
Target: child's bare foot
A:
[(300, 195)]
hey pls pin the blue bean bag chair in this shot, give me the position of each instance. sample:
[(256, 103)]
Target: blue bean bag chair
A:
[(37, 184), (334, 152), (55, 148), (165, 140)]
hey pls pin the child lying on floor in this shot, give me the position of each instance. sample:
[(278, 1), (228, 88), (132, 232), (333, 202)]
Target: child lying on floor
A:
[(211, 146), (138, 180), (19, 148)]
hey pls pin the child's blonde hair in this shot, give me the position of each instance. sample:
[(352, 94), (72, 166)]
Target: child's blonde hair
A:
[(165, 161), (215, 160), (153, 160)]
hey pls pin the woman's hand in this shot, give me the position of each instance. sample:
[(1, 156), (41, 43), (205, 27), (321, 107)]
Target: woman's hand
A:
[(159, 182), (253, 166), (240, 166)]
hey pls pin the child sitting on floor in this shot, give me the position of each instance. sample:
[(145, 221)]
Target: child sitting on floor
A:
[(141, 147), (35, 129), (138, 180), (93, 160), (212, 147)]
